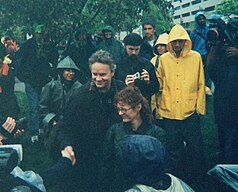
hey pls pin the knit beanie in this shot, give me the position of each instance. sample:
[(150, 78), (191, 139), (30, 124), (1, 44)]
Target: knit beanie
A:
[(149, 21), (133, 39)]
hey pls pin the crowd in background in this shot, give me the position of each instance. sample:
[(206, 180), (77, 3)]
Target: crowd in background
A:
[(110, 107)]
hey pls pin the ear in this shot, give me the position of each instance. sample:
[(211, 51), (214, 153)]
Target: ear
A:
[(113, 72), (138, 107)]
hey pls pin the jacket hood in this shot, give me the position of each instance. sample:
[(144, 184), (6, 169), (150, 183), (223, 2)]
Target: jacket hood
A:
[(144, 157), (198, 14), (178, 32), (109, 28), (162, 39), (67, 63), (201, 29)]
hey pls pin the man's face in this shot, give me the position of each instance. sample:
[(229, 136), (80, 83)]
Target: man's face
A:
[(132, 50), (102, 76), (178, 45), (108, 34), (201, 20), (149, 31), (81, 37)]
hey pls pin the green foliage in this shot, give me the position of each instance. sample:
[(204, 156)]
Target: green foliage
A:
[(60, 17), (228, 7)]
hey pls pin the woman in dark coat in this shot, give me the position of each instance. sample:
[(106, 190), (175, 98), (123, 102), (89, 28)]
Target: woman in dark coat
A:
[(136, 119)]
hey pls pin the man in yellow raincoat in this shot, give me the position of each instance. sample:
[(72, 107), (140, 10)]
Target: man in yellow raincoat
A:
[(181, 77)]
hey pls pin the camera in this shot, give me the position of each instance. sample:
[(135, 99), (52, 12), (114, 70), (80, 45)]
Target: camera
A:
[(223, 28), (136, 75)]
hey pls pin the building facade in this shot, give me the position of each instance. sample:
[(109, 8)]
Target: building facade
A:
[(184, 10)]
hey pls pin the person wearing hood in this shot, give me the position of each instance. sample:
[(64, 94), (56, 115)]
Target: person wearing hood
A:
[(145, 158), (198, 37), (54, 99), (181, 77), (80, 51), (159, 49), (110, 44)]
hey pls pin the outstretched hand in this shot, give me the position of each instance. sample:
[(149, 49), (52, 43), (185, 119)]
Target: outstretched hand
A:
[(69, 153)]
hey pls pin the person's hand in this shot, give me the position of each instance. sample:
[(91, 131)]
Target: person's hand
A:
[(232, 52), (69, 153), (2, 138), (9, 124), (145, 76), (130, 81), (18, 133)]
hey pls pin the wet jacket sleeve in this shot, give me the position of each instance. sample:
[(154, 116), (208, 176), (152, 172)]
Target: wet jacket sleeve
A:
[(69, 124), (45, 101)]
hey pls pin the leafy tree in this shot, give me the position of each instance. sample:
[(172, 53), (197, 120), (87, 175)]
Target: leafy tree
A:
[(61, 17), (228, 7)]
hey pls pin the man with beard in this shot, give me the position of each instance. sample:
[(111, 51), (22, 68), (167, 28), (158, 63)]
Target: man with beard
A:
[(89, 114), (135, 70)]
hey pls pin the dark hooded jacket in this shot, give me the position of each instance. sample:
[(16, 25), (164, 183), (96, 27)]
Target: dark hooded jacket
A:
[(145, 159), (56, 93), (114, 177), (112, 45), (79, 52), (199, 37)]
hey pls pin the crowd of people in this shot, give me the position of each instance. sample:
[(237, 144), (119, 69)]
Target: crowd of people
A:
[(123, 116)]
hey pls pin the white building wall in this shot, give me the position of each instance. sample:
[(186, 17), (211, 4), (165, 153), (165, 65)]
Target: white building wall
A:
[(185, 10)]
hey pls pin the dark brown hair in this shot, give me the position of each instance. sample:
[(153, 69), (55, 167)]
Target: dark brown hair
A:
[(132, 96)]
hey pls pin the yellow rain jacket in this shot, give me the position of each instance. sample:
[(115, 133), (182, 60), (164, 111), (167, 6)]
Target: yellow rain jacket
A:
[(162, 39), (181, 80)]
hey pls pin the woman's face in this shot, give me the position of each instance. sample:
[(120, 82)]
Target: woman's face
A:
[(161, 49), (127, 113), (68, 74)]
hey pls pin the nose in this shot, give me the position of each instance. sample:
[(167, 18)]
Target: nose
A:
[(98, 78)]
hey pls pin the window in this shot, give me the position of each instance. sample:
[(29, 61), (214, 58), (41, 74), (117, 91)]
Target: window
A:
[(185, 14), (194, 12), (196, 2), (177, 17), (177, 8), (185, 5), (210, 8)]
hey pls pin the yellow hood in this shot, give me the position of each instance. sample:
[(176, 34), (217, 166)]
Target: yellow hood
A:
[(162, 39), (176, 33)]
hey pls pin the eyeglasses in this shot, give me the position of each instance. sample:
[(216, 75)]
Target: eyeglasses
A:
[(123, 110)]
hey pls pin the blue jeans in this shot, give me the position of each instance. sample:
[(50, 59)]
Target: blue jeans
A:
[(33, 99)]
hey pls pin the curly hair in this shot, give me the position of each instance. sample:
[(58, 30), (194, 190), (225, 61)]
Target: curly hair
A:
[(132, 96), (103, 57)]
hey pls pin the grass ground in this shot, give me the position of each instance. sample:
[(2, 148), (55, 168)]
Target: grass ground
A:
[(36, 158)]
